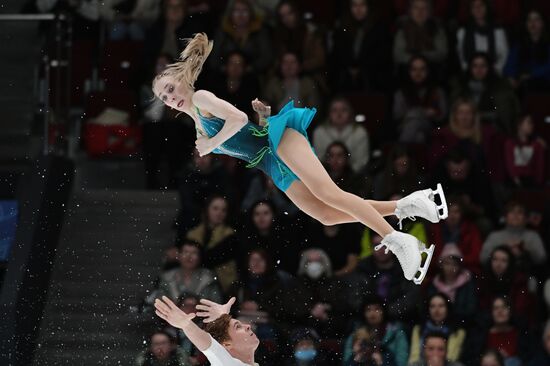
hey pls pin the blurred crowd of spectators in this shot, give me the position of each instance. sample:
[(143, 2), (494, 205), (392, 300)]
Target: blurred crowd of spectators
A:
[(452, 82)]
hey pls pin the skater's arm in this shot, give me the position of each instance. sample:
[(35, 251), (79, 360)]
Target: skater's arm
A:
[(233, 117), (168, 311)]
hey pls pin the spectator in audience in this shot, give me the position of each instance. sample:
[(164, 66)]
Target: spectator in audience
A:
[(289, 84), (483, 144), (355, 37), (366, 352), (462, 177), (302, 38), (189, 278), (495, 100), (420, 34), (213, 231), (525, 156), (542, 358), (384, 278), (188, 303), (261, 188), (338, 166), (340, 242), (129, 19), (501, 278), (457, 283), (340, 127), (255, 293), (236, 85), (314, 298), (528, 65), (459, 230), (504, 335), (438, 319), (165, 136), (525, 244), (481, 35), (387, 337), (242, 29), (263, 230), (419, 105), (162, 351), (435, 351), (204, 178), (400, 174), (491, 357), (305, 346), (167, 35)]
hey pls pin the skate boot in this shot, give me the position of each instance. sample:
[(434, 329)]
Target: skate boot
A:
[(422, 203), (411, 253)]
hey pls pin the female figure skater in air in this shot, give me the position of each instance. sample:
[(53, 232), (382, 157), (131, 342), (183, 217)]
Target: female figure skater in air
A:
[(282, 150)]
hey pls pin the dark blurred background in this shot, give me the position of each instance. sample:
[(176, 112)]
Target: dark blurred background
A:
[(105, 205)]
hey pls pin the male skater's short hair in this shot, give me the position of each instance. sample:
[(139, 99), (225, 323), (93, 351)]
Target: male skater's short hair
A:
[(219, 328)]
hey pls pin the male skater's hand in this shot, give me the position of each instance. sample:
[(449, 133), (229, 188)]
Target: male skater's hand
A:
[(168, 311), (212, 311)]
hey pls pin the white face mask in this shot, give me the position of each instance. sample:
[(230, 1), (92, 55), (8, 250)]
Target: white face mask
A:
[(314, 270)]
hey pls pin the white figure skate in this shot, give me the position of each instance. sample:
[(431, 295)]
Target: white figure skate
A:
[(410, 254), (422, 203)]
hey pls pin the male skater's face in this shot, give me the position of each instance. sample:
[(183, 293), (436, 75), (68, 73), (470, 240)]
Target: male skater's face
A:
[(242, 337)]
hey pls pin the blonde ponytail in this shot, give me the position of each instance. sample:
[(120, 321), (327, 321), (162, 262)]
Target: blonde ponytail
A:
[(187, 68)]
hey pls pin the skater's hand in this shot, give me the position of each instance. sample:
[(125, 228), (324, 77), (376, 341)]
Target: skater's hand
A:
[(211, 311), (204, 145), (168, 311), (263, 111)]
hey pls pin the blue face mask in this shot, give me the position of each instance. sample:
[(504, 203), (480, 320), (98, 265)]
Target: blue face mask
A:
[(305, 354)]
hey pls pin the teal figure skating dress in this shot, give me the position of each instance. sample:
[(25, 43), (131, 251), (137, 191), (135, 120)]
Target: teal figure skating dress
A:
[(258, 146)]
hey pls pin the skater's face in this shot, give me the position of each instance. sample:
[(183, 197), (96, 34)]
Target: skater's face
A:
[(515, 217), (374, 315), (438, 310), (240, 14), (418, 71), (257, 264), (217, 211), (435, 351), (235, 66), (161, 346), (242, 338), (500, 262), (340, 113), (359, 9), (535, 24), (172, 93), (262, 216), (501, 312), (480, 68), (288, 16), (189, 257), (420, 11)]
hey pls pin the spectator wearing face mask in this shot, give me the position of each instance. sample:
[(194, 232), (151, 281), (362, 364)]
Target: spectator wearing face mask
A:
[(305, 343), (314, 298)]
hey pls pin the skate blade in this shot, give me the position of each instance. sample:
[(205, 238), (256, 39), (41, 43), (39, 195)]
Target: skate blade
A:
[(423, 270), (442, 209)]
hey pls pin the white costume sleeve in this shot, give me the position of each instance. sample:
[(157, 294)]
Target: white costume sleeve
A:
[(218, 356)]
